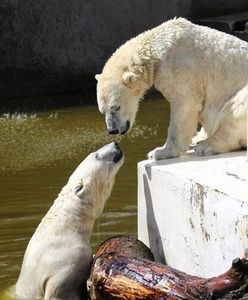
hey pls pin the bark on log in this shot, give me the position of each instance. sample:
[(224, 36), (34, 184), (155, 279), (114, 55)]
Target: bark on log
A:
[(115, 275), (125, 246)]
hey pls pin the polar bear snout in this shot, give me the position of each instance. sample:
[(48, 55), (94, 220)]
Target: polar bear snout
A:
[(118, 155), (116, 125), (111, 153), (115, 130), (122, 130)]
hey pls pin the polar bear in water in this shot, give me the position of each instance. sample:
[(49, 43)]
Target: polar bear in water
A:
[(202, 72), (58, 257)]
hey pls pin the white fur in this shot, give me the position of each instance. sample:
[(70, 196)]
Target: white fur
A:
[(202, 73), (58, 257)]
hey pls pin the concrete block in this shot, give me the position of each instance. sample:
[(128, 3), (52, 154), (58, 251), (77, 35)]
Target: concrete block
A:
[(193, 211)]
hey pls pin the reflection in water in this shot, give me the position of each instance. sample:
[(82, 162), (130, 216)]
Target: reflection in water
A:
[(37, 155)]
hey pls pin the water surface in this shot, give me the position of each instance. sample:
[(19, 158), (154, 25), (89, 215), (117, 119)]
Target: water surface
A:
[(39, 151)]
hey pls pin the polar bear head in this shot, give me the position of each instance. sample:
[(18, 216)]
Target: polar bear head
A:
[(118, 99), (91, 183), (123, 81)]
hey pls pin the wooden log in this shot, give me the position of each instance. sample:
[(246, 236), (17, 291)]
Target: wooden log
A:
[(125, 246), (115, 275)]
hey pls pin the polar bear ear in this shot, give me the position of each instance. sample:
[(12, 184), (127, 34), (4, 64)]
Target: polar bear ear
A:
[(128, 78), (97, 76)]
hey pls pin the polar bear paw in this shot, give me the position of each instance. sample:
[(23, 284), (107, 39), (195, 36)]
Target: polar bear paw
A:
[(160, 153), (198, 138), (205, 148)]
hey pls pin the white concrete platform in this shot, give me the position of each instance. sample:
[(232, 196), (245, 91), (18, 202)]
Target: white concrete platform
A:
[(193, 211)]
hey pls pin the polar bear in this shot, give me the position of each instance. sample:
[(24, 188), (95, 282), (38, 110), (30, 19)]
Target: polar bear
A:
[(58, 257), (202, 72)]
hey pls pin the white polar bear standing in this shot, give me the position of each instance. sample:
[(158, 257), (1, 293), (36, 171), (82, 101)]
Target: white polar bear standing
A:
[(58, 257), (202, 72)]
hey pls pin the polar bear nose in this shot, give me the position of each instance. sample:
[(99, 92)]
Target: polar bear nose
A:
[(113, 131), (110, 153), (117, 146), (112, 125)]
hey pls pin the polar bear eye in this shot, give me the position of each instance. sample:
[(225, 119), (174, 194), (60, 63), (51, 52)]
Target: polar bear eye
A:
[(115, 108), (78, 188)]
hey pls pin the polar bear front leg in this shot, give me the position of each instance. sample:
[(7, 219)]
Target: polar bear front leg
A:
[(183, 123), (169, 150)]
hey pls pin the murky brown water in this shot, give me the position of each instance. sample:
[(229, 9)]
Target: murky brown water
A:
[(38, 152)]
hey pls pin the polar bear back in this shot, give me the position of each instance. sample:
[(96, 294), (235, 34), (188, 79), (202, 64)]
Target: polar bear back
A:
[(216, 59)]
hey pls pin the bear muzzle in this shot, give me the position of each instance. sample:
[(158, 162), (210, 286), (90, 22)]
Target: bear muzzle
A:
[(122, 130), (111, 152)]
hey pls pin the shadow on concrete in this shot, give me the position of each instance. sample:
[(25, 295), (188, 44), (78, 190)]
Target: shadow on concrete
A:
[(154, 236)]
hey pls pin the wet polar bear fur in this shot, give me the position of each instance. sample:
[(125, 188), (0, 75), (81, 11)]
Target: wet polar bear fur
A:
[(202, 73), (58, 257)]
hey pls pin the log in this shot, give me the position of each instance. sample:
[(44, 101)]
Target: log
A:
[(125, 246), (120, 273)]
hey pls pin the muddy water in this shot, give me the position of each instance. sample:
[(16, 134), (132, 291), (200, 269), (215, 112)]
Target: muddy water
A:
[(37, 154)]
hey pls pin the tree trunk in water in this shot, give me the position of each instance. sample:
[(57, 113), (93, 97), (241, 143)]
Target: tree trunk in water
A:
[(123, 269)]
